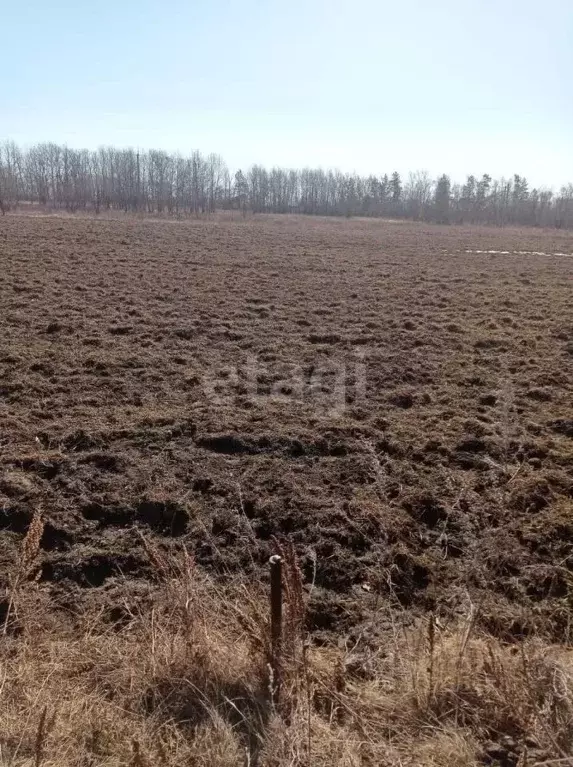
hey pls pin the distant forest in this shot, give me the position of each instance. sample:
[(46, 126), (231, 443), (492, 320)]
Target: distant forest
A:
[(156, 182)]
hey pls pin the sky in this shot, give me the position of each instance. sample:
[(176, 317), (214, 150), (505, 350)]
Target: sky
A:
[(371, 86)]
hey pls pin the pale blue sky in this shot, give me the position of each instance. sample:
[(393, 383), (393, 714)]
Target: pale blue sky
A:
[(466, 86)]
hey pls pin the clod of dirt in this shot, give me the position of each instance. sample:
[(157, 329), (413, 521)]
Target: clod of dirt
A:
[(80, 440), (408, 576), (390, 448), (324, 338), (55, 538), (531, 450), (14, 484), (44, 368), (103, 461), (549, 532), (490, 343), (328, 612), (427, 510), (545, 582), (239, 444), (186, 334), (45, 468), (202, 485), (489, 400), (230, 444), (475, 428), (540, 395), (326, 447), (562, 426), (15, 519), (503, 754), (403, 400), (165, 517), (94, 569), (468, 451), (535, 493), (107, 514)]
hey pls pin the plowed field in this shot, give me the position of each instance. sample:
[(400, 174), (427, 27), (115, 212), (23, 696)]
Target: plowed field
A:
[(393, 397)]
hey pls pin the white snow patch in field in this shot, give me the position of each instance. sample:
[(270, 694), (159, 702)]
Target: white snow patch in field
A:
[(520, 253)]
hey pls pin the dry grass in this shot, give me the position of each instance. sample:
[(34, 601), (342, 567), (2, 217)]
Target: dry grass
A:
[(187, 682)]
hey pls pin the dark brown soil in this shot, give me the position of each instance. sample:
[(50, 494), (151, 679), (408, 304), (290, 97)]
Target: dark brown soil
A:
[(148, 381)]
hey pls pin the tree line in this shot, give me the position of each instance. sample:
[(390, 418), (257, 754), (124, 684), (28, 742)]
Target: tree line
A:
[(156, 182)]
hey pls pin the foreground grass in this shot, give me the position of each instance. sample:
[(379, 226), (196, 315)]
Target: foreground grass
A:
[(186, 681)]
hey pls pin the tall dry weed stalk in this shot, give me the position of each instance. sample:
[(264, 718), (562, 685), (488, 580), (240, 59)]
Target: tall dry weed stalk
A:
[(27, 564)]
